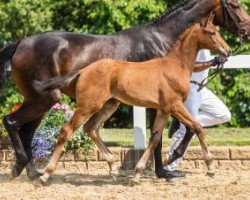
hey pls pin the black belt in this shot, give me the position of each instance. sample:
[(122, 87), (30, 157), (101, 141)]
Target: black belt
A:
[(196, 83)]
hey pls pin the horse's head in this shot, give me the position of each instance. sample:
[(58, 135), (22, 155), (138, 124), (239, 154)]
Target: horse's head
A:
[(230, 15), (209, 37)]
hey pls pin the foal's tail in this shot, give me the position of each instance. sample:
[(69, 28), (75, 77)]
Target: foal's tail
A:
[(56, 82), (5, 56)]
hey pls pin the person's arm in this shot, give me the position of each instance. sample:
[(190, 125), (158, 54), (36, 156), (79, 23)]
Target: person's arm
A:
[(200, 66)]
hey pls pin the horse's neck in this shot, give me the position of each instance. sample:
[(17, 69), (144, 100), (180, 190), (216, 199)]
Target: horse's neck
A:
[(172, 25)]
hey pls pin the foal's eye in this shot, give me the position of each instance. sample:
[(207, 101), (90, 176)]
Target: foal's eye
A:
[(210, 32)]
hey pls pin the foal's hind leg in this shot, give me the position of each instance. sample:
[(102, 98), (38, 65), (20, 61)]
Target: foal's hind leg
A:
[(66, 132), (92, 129), (181, 113), (156, 135)]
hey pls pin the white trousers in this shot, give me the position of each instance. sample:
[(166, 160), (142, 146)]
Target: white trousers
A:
[(207, 108)]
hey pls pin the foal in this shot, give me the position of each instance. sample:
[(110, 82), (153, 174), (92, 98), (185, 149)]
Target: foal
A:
[(160, 83)]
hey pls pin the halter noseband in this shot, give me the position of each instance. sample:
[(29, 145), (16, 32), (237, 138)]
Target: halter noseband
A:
[(240, 25), (227, 12)]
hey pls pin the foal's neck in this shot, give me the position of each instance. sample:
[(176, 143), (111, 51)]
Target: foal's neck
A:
[(186, 49)]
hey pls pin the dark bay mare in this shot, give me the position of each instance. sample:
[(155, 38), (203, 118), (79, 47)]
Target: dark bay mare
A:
[(53, 54)]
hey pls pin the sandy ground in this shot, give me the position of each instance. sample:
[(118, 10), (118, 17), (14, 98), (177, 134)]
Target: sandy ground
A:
[(76, 183)]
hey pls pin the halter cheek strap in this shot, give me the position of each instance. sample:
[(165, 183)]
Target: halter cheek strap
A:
[(241, 31)]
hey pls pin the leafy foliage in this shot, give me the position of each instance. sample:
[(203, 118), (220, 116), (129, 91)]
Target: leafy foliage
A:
[(48, 131)]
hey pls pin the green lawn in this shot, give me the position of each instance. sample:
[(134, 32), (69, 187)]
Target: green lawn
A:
[(214, 137)]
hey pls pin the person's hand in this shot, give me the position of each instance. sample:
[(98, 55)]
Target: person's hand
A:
[(219, 60)]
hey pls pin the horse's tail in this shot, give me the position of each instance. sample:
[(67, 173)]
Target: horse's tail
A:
[(56, 82), (5, 56)]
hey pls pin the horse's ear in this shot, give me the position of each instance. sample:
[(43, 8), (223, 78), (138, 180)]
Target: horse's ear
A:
[(205, 21)]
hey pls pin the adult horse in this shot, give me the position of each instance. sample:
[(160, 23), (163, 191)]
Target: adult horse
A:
[(52, 54)]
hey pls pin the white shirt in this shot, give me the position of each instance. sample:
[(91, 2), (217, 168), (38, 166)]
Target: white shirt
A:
[(203, 56)]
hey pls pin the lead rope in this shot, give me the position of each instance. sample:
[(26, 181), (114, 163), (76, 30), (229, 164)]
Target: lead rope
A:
[(209, 78)]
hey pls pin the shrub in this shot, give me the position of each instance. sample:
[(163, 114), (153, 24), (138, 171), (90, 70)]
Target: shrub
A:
[(46, 135)]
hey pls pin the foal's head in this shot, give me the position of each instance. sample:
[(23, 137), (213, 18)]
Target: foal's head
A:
[(209, 37)]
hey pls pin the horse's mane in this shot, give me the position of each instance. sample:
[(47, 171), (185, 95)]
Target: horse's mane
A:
[(172, 10)]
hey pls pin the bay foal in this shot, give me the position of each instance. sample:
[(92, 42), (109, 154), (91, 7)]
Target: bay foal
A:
[(162, 84)]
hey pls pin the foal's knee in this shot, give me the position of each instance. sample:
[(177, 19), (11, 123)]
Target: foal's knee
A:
[(64, 135), (198, 128)]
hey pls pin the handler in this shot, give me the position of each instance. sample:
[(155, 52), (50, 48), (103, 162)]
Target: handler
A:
[(204, 105)]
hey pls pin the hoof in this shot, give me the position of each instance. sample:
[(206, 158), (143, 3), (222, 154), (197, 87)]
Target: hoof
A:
[(38, 183), (134, 181), (16, 171), (113, 174), (211, 174), (34, 175), (43, 180)]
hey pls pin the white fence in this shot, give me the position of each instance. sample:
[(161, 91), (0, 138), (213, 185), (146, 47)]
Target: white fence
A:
[(140, 141)]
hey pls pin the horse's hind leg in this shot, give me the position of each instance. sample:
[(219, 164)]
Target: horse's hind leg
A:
[(92, 129), (66, 132), (28, 112), (181, 113), (26, 134), (156, 135)]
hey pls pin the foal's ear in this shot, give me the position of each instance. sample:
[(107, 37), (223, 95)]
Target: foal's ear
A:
[(205, 21)]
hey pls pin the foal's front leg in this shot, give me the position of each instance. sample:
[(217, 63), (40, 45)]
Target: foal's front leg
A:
[(182, 114), (160, 121), (66, 132)]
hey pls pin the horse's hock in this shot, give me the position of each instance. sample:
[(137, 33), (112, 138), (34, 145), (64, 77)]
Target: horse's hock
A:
[(127, 158)]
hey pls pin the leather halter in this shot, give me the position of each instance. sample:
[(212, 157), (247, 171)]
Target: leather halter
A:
[(227, 12)]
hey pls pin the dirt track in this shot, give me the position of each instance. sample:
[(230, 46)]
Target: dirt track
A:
[(78, 183)]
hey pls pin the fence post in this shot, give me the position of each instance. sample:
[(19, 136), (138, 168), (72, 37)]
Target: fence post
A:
[(139, 121)]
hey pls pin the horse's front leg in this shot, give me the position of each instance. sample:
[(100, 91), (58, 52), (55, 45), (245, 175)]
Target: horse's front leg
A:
[(156, 136), (181, 113)]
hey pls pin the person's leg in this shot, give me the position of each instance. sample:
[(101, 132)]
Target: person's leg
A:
[(212, 111), (192, 104)]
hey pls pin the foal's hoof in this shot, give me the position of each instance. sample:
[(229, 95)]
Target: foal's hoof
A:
[(43, 180), (38, 183), (134, 181), (113, 174)]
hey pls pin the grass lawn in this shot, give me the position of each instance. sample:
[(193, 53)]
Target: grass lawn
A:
[(214, 137)]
